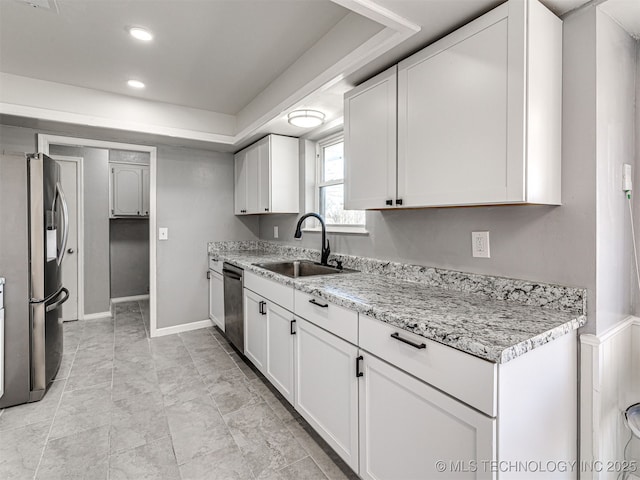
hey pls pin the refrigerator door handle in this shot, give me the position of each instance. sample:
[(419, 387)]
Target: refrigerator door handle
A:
[(65, 216), (56, 304)]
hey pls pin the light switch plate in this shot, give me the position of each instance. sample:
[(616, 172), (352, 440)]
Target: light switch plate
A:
[(163, 233), (480, 244), (275, 231)]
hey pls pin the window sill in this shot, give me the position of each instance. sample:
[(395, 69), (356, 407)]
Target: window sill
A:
[(342, 230)]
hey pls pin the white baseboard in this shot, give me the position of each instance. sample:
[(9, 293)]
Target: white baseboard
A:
[(94, 316), (186, 327), (132, 298)]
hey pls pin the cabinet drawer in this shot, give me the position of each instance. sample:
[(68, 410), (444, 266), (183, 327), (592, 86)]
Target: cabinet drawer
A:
[(215, 265), (333, 318), (468, 378), (269, 289)]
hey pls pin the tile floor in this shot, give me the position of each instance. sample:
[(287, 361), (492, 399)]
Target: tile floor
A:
[(183, 406)]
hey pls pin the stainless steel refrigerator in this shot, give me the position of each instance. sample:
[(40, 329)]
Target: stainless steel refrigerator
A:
[(33, 234)]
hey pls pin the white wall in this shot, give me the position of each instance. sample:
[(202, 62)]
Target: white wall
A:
[(615, 140)]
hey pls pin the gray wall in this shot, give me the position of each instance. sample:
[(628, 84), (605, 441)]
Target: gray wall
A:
[(96, 224), (129, 254), (548, 244), (195, 201)]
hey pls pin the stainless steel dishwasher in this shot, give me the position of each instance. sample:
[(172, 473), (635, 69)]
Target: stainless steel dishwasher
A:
[(233, 305)]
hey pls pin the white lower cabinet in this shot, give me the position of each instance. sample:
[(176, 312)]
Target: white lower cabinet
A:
[(216, 299), (269, 341), (327, 388), (280, 350), (255, 329), (406, 427)]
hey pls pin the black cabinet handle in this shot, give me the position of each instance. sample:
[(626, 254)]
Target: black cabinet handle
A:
[(266, 209), (208, 274), (261, 306), (419, 346), (389, 202), (321, 305), (291, 330), (398, 201), (358, 371)]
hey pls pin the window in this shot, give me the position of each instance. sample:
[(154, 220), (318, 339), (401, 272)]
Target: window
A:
[(330, 191)]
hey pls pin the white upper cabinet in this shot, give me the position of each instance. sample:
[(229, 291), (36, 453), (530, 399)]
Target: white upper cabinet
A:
[(266, 177), (478, 117), (129, 190), (370, 127)]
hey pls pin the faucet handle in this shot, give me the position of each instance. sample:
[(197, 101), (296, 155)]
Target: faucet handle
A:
[(338, 263)]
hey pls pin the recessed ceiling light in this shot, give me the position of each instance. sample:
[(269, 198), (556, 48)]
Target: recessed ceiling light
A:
[(140, 33), (135, 84), (306, 118)]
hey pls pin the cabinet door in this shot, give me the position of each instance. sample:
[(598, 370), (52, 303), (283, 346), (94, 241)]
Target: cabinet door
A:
[(327, 388), (146, 191), (216, 299), (264, 175), (406, 426), (255, 329), (280, 340), (253, 175), (452, 120), (126, 190), (370, 143), (240, 192)]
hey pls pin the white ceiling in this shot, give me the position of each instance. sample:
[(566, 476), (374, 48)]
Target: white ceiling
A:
[(627, 14), (210, 54), (220, 54)]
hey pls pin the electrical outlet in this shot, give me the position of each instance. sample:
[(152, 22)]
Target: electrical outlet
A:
[(480, 244), (275, 231), (163, 233)]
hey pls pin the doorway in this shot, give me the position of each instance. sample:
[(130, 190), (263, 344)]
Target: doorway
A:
[(71, 176), (45, 141)]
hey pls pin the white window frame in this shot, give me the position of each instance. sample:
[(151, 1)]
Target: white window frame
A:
[(358, 229)]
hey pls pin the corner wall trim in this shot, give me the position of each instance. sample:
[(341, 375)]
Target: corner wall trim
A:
[(185, 327), (132, 298), (596, 340), (94, 316)]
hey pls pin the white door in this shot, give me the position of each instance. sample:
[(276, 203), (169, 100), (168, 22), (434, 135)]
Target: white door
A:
[(452, 122), (216, 299), (252, 161), (69, 177), (280, 339), (240, 192), (370, 143), (146, 191), (127, 189), (264, 176), (327, 388), (255, 329), (407, 428)]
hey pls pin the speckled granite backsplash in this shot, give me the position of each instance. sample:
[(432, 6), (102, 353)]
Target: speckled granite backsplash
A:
[(556, 297)]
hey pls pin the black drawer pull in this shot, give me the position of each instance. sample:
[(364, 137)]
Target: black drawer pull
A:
[(291, 330), (358, 371), (389, 202), (419, 346), (261, 306), (321, 305)]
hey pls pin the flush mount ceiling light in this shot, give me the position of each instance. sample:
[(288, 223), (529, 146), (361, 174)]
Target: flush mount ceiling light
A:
[(140, 33), (135, 84), (306, 118)]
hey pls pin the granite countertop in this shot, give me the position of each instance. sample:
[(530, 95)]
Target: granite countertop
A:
[(492, 329)]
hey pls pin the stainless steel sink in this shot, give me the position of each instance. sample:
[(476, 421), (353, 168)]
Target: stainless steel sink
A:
[(301, 268)]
